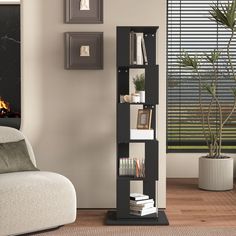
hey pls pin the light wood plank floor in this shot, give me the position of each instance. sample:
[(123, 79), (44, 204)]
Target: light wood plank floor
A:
[(186, 206)]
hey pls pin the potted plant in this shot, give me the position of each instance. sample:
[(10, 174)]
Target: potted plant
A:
[(215, 169), (139, 83)]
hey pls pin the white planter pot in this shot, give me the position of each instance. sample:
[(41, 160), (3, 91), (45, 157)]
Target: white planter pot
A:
[(142, 96), (216, 174)]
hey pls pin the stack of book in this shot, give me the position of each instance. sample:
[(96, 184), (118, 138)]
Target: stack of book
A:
[(141, 205), (138, 52)]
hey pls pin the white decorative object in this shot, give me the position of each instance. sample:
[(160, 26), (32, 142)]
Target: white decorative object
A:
[(33, 200), (84, 5), (135, 98), (142, 96), (85, 51), (142, 134), (127, 98), (216, 174)]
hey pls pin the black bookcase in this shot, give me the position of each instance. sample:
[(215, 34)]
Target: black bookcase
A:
[(121, 215)]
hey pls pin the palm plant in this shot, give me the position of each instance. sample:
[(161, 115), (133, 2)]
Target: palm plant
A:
[(225, 16), (139, 82)]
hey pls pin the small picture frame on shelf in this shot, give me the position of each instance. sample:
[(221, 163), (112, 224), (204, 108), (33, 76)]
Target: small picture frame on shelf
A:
[(84, 50), (144, 119), (84, 11)]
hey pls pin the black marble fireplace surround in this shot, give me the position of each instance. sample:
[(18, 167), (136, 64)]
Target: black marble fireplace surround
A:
[(10, 65)]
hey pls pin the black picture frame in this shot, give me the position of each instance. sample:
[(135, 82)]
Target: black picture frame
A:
[(73, 14), (74, 41)]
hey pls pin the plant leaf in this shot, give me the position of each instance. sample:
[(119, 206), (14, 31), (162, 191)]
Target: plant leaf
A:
[(210, 89), (187, 61), (224, 14)]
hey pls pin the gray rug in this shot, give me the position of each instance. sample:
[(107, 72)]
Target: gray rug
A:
[(141, 231)]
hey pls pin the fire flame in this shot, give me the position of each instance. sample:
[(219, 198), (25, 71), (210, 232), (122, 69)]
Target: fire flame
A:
[(4, 105)]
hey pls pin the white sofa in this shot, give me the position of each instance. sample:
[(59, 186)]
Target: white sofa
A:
[(33, 200)]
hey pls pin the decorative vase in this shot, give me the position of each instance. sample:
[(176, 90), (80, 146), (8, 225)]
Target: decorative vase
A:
[(216, 174), (142, 96)]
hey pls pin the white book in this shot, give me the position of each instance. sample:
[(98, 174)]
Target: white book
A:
[(121, 166), (133, 202), (144, 212), (140, 134), (138, 196), (141, 207), (139, 49), (126, 166), (130, 166)]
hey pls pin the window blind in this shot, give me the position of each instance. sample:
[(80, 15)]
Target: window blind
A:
[(190, 29)]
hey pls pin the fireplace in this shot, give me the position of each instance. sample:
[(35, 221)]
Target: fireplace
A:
[(10, 66), (5, 110)]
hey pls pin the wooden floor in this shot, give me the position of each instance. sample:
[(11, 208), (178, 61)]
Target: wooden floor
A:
[(186, 206)]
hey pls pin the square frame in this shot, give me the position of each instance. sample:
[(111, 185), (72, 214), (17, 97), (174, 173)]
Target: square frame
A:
[(74, 41), (144, 118), (73, 14)]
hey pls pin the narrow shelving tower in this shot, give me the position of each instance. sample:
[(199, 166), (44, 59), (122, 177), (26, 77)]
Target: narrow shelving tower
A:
[(122, 216)]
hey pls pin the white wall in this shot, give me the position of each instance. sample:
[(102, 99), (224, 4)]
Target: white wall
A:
[(70, 116), (185, 165)]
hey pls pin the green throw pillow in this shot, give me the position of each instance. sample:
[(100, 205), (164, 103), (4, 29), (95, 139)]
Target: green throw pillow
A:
[(14, 157)]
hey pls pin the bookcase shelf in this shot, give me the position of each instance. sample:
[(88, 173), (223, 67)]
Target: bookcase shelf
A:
[(121, 215)]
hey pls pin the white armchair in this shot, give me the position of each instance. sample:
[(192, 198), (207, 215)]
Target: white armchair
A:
[(33, 200)]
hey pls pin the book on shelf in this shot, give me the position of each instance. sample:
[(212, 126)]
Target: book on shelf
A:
[(131, 167), (133, 202), (138, 51), (141, 205), (142, 134), (144, 51), (144, 212), (138, 196), (133, 59)]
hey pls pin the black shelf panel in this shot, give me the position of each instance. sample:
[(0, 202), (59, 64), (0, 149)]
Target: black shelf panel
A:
[(138, 141), (136, 104), (129, 178), (141, 29), (112, 219), (128, 66)]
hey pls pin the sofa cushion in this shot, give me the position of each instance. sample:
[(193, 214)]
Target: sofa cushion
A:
[(35, 200), (14, 157)]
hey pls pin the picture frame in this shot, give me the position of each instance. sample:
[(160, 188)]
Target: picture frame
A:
[(84, 50), (144, 118), (84, 11)]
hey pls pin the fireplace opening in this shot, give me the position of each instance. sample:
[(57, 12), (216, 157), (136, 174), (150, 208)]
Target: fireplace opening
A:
[(5, 110)]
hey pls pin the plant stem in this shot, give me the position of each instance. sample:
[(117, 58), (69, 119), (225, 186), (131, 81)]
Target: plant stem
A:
[(201, 107), (228, 54), (218, 145)]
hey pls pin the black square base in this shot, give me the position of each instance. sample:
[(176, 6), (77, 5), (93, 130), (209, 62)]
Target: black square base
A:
[(113, 220)]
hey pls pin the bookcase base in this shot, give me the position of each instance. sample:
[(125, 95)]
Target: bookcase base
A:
[(113, 220)]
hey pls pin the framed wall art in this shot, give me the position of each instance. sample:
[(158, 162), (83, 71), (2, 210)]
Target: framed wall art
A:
[(84, 11), (84, 50)]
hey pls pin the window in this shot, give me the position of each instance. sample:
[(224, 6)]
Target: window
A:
[(190, 29)]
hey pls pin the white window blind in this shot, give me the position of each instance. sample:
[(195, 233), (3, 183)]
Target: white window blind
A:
[(190, 29)]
